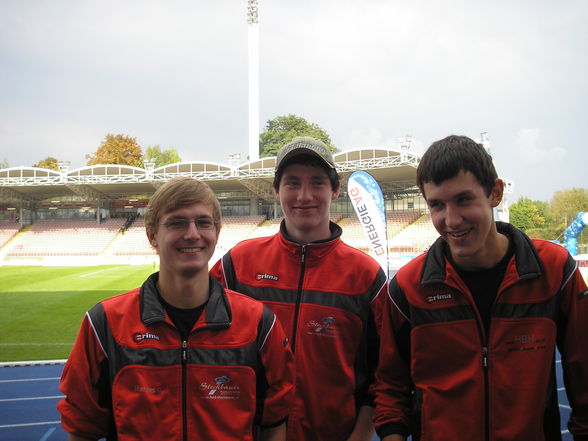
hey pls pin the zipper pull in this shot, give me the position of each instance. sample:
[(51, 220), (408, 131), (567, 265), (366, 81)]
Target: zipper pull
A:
[(303, 253), (184, 351), (485, 356)]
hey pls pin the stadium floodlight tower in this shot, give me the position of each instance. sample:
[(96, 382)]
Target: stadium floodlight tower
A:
[(404, 143), (253, 25)]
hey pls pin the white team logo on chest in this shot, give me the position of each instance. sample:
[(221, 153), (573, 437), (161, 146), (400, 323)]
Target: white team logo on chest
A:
[(325, 327)]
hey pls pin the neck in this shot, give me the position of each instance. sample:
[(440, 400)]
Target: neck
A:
[(303, 236), (184, 292), (495, 249)]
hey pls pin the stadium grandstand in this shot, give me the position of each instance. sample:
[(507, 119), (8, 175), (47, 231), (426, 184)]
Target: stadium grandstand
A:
[(94, 215)]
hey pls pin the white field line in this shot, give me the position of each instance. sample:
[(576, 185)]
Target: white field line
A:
[(81, 276), (30, 363), (44, 423), (10, 400), (22, 380), (47, 434)]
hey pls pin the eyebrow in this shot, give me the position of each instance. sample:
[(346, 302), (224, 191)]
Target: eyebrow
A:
[(458, 195), (315, 177), (177, 217)]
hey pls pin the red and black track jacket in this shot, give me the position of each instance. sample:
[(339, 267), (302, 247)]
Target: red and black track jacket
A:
[(442, 377), (325, 295), (131, 377)]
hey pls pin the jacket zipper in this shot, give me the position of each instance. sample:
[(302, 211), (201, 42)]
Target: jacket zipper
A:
[(484, 340), (486, 391), (184, 357), (298, 296)]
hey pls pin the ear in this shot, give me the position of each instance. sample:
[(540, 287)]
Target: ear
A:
[(336, 193), (497, 193), (152, 239)]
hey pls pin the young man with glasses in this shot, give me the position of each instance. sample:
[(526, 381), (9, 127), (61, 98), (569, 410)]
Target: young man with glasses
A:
[(180, 357), (322, 290)]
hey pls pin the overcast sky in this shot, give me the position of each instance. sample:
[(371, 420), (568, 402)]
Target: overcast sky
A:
[(174, 73)]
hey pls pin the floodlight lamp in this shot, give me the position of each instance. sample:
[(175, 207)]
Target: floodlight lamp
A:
[(252, 9)]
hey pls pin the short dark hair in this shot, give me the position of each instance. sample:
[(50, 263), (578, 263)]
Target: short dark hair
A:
[(445, 158), (312, 161)]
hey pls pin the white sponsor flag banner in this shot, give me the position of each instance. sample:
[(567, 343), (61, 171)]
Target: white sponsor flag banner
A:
[(367, 200)]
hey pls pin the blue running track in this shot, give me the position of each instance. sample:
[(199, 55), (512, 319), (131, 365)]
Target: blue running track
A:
[(29, 394)]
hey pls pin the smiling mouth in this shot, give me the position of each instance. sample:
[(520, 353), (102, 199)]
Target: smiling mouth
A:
[(190, 250), (459, 234)]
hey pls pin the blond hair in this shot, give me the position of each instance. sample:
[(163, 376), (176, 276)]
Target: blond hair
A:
[(180, 192)]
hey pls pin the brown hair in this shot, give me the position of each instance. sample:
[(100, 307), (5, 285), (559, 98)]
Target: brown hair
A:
[(180, 192), (445, 158)]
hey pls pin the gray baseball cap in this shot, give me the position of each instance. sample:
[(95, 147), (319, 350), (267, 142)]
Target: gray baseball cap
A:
[(305, 145)]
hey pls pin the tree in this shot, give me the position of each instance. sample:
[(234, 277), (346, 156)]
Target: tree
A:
[(566, 204), (169, 156), (283, 129), (49, 162), (526, 214), (117, 149)]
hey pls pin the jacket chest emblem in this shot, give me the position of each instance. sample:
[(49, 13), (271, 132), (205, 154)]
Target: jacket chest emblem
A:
[(221, 388), (325, 327)]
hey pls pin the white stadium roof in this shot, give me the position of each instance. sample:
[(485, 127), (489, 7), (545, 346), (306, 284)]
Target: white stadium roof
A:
[(394, 170)]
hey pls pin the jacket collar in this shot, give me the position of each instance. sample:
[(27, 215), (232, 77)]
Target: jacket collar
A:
[(217, 313), (317, 248), (527, 262)]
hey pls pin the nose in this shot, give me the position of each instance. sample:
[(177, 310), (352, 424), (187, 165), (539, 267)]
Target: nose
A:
[(453, 216), (192, 232), (305, 193)]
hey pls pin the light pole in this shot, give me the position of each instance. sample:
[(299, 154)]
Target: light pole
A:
[(253, 59), (404, 143)]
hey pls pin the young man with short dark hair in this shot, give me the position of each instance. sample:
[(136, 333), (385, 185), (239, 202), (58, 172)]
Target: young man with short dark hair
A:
[(323, 291), (469, 335), (180, 357)]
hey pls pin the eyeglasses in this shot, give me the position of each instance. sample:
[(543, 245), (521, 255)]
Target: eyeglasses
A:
[(202, 224)]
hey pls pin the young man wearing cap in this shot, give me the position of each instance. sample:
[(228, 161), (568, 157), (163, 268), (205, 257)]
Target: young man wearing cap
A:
[(323, 291), (470, 328), (180, 357)]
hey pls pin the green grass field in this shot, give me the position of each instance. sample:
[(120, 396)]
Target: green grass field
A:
[(41, 308)]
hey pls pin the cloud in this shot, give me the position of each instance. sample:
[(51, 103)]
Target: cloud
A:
[(27, 147), (529, 145)]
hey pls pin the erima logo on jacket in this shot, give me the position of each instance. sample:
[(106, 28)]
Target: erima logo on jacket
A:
[(140, 336), (266, 277), (444, 295)]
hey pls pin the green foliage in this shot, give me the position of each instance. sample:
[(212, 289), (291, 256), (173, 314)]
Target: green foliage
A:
[(283, 129), (42, 307), (49, 162), (169, 156), (526, 214), (548, 221), (566, 204), (117, 149)]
